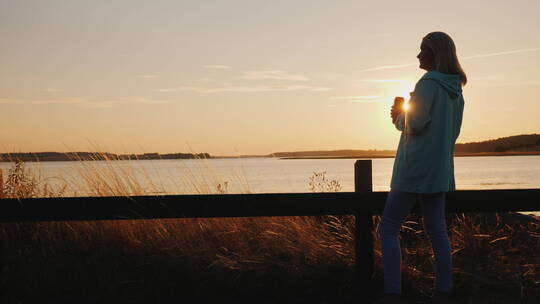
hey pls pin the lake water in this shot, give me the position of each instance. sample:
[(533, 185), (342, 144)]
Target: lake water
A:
[(272, 175)]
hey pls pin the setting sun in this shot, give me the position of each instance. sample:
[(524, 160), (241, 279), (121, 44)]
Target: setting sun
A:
[(406, 105), (404, 88)]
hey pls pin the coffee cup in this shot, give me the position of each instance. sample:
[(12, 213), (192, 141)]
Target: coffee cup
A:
[(398, 102)]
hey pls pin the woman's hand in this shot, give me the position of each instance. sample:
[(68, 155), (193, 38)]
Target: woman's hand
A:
[(394, 112)]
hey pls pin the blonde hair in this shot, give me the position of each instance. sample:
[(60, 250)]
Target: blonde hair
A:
[(444, 53)]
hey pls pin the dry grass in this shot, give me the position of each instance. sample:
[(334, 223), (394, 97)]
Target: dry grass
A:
[(496, 257), (271, 260)]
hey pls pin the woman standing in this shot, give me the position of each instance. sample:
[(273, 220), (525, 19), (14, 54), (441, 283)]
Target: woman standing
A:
[(424, 165)]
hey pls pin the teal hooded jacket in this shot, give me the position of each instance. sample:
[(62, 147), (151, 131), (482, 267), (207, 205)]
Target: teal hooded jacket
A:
[(424, 161)]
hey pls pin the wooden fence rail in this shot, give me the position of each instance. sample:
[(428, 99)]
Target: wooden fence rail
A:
[(363, 204)]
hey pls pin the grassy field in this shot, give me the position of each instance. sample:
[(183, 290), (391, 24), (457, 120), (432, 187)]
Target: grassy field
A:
[(263, 260)]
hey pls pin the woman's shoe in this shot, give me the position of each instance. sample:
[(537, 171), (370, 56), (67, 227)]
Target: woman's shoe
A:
[(391, 298)]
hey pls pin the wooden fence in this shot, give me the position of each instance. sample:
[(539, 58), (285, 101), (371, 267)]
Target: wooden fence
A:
[(363, 204)]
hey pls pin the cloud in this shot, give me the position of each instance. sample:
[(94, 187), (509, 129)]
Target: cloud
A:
[(216, 66), (149, 101), (206, 80), (359, 99), (246, 89), (382, 80), (52, 90), (514, 83), (356, 97), (166, 90), (147, 76), (42, 101), (55, 101), (367, 101), (320, 89), (80, 102), (502, 53), (273, 75), (390, 67), (209, 85), (405, 65), (99, 104)]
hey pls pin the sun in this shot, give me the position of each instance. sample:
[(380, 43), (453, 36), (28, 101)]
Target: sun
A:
[(404, 90), (406, 105)]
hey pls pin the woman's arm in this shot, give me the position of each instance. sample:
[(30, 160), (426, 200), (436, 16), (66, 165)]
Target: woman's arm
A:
[(400, 122), (418, 114)]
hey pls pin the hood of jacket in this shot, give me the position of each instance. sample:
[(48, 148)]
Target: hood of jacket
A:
[(450, 82)]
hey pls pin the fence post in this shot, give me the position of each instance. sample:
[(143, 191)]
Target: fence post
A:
[(364, 230), (1, 184)]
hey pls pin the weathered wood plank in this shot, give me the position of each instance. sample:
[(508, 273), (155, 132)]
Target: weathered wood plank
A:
[(248, 205)]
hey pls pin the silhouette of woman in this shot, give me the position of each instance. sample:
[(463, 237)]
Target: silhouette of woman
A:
[(424, 165)]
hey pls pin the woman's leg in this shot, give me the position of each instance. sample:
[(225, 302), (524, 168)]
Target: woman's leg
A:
[(433, 209), (397, 207)]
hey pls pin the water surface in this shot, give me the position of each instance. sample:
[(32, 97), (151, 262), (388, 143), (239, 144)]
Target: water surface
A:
[(272, 175)]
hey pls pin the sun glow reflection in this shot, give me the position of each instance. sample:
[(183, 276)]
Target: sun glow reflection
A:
[(405, 90), (406, 106)]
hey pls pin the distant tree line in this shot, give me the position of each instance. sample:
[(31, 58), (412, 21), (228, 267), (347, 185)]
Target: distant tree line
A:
[(335, 153), (77, 156), (529, 142)]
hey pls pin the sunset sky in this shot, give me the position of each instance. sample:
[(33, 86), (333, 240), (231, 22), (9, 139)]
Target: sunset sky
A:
[(251, 77)]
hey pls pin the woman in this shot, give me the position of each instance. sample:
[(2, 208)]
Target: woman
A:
[(424, 166)]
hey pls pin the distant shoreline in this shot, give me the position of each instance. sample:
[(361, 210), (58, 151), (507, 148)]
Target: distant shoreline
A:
[(528, 153), (92, 156), (516, 153), (517, 145)]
